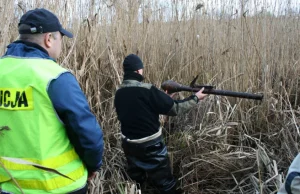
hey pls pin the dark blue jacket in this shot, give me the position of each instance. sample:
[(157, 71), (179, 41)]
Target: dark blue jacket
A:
[(81, 125)]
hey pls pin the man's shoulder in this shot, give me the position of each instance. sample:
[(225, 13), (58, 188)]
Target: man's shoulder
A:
[(134, 83)]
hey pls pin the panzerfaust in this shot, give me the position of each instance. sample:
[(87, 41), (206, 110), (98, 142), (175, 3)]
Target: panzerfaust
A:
[(172, 87)]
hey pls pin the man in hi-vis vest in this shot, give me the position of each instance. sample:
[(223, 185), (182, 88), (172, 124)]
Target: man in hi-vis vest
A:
[(50, 142)]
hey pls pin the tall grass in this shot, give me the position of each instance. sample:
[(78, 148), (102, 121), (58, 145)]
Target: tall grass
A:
[(225, 145)]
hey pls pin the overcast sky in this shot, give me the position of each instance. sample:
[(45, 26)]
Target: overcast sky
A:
[(214, 8), (276, 7)]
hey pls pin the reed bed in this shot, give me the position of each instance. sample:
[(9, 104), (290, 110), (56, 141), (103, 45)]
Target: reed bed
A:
[(225, 145)]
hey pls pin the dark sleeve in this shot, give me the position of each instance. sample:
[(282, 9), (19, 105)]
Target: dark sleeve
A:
[(160, 101), (82, 127)]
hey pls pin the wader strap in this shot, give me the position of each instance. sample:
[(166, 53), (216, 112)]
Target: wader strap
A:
[(145, 139)]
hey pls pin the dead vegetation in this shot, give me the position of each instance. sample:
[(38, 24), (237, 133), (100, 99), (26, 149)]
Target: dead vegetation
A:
[(225, 145)]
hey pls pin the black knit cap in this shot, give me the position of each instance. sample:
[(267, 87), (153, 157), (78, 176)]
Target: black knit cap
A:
[(132, 63), (42, 21)]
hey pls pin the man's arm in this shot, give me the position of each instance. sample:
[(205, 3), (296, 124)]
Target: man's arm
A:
[(182, 106), (165, 105), (82, 127)]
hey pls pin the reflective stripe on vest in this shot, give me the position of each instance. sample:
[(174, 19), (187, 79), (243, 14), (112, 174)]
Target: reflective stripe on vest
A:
[(54, 162), (49, 184)]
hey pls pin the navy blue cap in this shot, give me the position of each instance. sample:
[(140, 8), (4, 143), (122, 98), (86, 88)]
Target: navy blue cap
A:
[(42, 21), (132, 63)]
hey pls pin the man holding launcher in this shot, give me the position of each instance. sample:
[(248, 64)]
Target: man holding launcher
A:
[(138, 107)]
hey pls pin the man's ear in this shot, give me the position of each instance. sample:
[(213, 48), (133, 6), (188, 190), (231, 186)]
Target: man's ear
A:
[(48, 40), (139, 71)]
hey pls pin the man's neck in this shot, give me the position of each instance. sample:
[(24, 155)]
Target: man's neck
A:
[(32, 44)]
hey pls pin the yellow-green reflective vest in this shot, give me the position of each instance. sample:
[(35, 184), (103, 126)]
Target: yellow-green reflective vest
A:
[(31, 131)]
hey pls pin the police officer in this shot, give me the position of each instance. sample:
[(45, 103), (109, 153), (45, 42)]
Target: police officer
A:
[(46, 117), (138, 106)]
